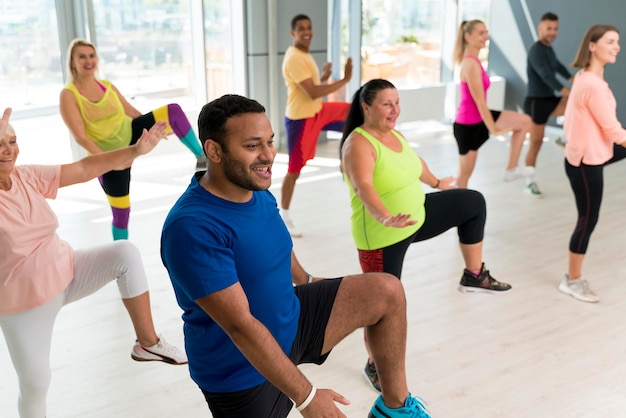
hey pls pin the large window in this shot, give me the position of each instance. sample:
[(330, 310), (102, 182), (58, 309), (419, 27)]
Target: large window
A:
[(404, 40), (145, 46), (30, 65), (219, 47)]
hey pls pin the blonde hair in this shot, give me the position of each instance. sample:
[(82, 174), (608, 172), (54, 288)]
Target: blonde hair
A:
[(71, 71), (593, 35), (466, 27)]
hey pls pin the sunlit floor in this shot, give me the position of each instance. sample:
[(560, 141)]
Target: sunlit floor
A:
[(530, 353)]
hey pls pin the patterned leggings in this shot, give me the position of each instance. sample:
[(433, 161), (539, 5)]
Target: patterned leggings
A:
[(116, 184)]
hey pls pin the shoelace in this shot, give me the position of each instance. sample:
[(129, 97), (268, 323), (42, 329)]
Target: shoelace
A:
[(417, 407), (166, 347), (585, 287)]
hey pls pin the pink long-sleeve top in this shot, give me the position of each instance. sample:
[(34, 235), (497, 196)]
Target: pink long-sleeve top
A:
[(591, 125)]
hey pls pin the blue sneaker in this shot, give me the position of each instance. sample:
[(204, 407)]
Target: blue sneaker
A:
[(413, 408)]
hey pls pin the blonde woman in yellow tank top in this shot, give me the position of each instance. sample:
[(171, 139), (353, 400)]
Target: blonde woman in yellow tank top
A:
[(101, 119)]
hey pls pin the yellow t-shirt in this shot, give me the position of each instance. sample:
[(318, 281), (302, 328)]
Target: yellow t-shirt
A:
[(297, 67), (106, 123)]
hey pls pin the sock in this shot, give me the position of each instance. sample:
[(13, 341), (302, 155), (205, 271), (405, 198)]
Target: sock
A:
[(284, 213), (119, 233)]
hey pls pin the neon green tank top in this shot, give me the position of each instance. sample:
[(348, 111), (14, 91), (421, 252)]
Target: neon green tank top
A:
[(106, 123), (396, 179)]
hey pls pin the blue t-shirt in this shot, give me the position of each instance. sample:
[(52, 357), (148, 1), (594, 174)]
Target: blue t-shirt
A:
[(209, 244)]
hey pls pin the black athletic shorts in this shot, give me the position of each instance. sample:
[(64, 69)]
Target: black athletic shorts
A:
[(265, 400), (471, 137), (540, 108)]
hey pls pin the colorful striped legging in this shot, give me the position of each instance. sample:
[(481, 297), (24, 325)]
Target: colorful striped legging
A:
[(116, 184)]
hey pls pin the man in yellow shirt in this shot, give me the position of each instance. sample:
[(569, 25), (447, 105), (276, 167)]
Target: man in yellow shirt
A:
[(306, 114)]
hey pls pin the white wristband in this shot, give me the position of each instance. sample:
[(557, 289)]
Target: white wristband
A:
[(308, 399)]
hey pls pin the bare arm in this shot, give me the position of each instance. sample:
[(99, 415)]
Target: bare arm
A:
[(315, 91), (298, 274), (98, 164), (230, 310), (433, 181), (74, 121), (358, 160)]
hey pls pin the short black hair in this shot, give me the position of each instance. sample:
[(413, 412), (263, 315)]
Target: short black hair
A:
[(214, 115), (297, 18), (550, 16)]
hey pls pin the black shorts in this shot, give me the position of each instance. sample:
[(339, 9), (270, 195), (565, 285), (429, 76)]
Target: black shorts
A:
[(540, 108), (265, 400), (471, 137)]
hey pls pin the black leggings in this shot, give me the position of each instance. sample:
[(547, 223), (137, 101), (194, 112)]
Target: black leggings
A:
[(462, 208), (587, 183)]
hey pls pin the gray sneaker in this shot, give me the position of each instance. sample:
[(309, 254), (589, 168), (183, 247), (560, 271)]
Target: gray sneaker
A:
[(532, 189), (579, 289)]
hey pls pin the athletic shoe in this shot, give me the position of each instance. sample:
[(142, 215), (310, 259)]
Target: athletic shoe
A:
[(579, 289), (201, 162), (483, 283), (413, 408), (161, 351), (560, 142), (371, 375), (532, 189), (518, 173)]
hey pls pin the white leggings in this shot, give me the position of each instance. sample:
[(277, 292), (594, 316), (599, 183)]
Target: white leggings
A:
[(28, 334)]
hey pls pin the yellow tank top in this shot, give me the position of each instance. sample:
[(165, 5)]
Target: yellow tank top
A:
[(396, 178), (106, 123)]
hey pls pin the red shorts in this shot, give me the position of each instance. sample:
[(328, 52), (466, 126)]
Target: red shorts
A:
[(302, 134)]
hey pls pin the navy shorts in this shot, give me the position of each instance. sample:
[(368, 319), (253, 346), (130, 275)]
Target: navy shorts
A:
[(471, 137), (265, 400), (540, 108)]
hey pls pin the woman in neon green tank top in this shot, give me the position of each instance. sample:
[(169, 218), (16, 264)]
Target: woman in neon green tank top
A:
[(390, 210), (101, 119)]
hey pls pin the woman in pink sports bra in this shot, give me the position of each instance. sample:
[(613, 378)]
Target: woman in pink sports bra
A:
[(474, 121)]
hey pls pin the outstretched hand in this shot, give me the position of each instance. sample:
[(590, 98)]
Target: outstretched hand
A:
[(4, 122), (401, 220), (347, 71), (323, 405), (150, 138), (327, 70)]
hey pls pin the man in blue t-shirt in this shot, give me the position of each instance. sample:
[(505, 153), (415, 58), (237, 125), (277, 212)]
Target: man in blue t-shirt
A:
[(541, 102), (231, 263)]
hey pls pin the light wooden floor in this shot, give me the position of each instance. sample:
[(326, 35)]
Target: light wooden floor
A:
[(530, 353)]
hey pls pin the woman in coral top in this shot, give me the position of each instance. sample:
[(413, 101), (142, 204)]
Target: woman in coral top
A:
[(101, 119), (474, 121), (595, 138), (40, 273)]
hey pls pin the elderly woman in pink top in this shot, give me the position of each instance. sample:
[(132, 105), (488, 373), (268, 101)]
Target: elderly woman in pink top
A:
[(595, 138), (39, 272), (474, 121)]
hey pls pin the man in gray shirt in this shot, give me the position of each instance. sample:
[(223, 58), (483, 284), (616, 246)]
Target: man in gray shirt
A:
[(541, 100)]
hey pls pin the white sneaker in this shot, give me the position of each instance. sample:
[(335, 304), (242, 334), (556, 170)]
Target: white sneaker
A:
[(161, 351), (518, 173), (579, 289)]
